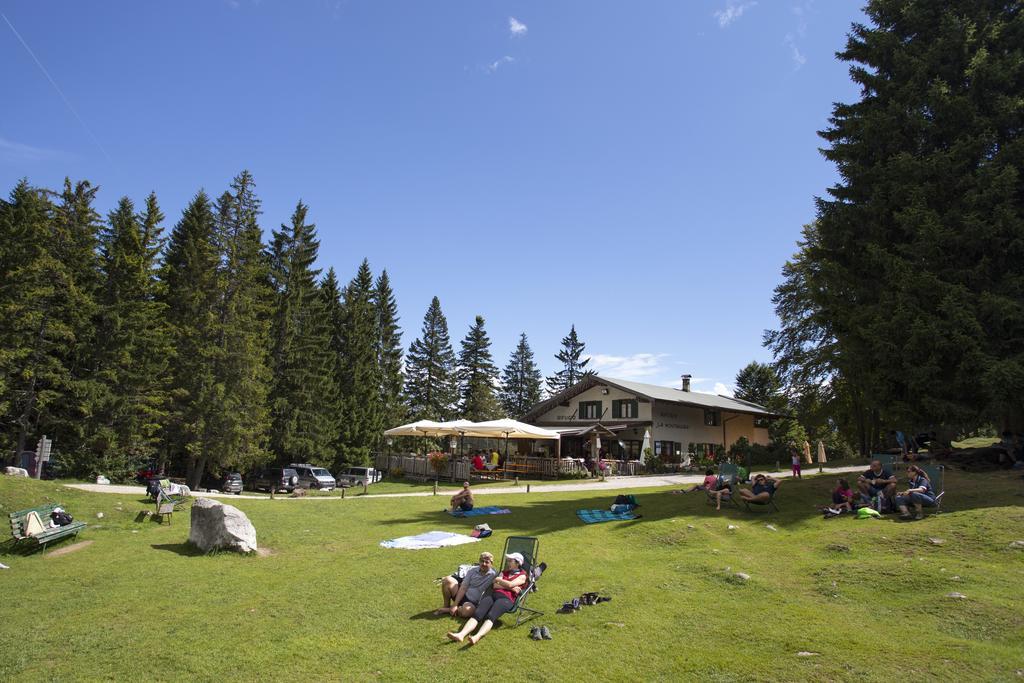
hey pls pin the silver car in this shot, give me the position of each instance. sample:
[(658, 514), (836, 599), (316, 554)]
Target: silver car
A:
[(358, 476), (313, 477)]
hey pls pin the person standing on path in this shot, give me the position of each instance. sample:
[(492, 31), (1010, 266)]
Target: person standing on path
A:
[(795, 458)]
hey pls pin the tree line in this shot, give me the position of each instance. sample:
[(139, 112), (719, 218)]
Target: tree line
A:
[(212, 349)]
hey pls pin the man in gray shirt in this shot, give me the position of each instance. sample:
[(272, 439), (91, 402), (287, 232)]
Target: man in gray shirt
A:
[(476, 582)]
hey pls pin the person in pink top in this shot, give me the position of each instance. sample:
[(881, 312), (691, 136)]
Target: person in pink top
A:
[(505, 590), (710, 483)]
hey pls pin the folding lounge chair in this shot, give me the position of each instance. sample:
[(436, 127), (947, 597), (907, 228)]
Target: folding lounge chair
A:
[(769, 502), (528, 547), (729, 474)]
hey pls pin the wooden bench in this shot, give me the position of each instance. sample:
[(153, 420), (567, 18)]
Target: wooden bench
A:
[(48, 535)]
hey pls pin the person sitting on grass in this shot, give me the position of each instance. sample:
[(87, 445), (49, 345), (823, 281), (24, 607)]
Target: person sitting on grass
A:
[(503, 595), (461, 596), (842, 496), (877, 481), (762, 490), (463, 500), (919, 493), (709, 483)]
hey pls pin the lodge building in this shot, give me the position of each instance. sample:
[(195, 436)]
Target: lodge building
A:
[(615, 415)]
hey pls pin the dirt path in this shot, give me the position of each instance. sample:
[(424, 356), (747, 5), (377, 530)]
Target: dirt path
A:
[(611, 484)]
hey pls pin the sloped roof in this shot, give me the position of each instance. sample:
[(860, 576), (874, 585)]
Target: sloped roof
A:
[(655, 392)]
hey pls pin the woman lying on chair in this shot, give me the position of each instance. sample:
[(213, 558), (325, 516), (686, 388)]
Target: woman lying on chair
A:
[(762, 490), (493, 605)]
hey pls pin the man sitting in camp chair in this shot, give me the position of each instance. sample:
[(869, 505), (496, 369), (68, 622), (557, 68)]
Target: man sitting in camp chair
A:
[(761, 492), (461, 596)]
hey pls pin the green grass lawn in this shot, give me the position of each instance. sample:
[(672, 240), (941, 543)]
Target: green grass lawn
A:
[(329, 603)]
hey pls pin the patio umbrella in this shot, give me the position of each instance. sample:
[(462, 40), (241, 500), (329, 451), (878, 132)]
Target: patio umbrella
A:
[(418, 428), (807, 452), (644, 446), (821, 452)]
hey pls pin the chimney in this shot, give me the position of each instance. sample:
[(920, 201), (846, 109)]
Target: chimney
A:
[(686, 382)]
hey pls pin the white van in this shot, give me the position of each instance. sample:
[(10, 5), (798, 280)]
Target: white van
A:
[(358, 476)]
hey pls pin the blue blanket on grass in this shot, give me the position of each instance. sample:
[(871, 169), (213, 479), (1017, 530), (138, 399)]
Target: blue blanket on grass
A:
[(489, 510), (596, 516)]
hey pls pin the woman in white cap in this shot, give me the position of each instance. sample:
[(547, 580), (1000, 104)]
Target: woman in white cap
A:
[(500, 600)]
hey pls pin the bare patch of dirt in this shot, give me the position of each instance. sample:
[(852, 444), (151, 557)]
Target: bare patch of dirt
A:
[(265, 552), (69, 548)]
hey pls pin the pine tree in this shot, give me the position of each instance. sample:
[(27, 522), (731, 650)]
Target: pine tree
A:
[(477, 375), (132, 345), (38, 302), (303, 412), (190, 283), (389, 353), (573, 369), (912, 270), (521, 382), (431, 386), (361, 415), (329, 293), (238, 431), (75, 240)]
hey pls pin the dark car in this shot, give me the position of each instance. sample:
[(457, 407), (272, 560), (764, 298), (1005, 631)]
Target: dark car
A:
[(280, 478), (230, 482)]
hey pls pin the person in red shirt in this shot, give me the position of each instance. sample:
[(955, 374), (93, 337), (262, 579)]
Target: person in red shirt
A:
[(506, 589), (478, 462)]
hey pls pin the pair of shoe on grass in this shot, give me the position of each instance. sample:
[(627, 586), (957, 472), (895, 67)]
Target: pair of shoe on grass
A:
[(540, 633), (585, 599)]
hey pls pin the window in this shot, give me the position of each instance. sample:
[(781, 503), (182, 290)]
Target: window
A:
[(590, 410), (626, 450), (665, 448), (625, 408), (761, 422), (711, 418)]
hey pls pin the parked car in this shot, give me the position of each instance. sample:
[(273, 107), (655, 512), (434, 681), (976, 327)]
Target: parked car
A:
[(313, 477), (358, 476), (229, 482), (280, 478)]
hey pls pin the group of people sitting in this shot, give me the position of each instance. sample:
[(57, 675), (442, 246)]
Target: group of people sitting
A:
[(761, 490), (877, 487), (482, 595), (483, 461)]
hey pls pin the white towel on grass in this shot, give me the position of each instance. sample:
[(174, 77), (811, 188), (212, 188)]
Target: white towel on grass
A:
[(431, 539)]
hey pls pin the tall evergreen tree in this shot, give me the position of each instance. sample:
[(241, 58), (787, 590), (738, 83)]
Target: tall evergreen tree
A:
[(389, 352), (361, 415), (573, 368), (238, 432), (303, 412), (521, 383), (190, 281), (39, 304), (76, 230), (431, 385), (477, 375), (329, 293), (132, 344), (914, 262)]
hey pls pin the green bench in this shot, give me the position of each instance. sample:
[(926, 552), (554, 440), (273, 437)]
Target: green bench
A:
[(47, 535)]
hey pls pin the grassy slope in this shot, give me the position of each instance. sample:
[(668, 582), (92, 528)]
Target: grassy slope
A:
[(330, 603)]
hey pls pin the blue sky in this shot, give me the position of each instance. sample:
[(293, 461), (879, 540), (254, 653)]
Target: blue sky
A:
[(639, 169)]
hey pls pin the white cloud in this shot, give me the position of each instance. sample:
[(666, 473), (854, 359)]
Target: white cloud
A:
[(722, 390), (15, 151), (799, 59), (637, 366), (497, 64), (732, 12), (516, 27)]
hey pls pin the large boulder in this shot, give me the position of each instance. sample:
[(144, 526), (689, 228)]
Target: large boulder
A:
[(16, 471), (216, 525)]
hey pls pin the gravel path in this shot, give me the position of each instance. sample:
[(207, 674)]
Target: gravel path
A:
[(610, 484)]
